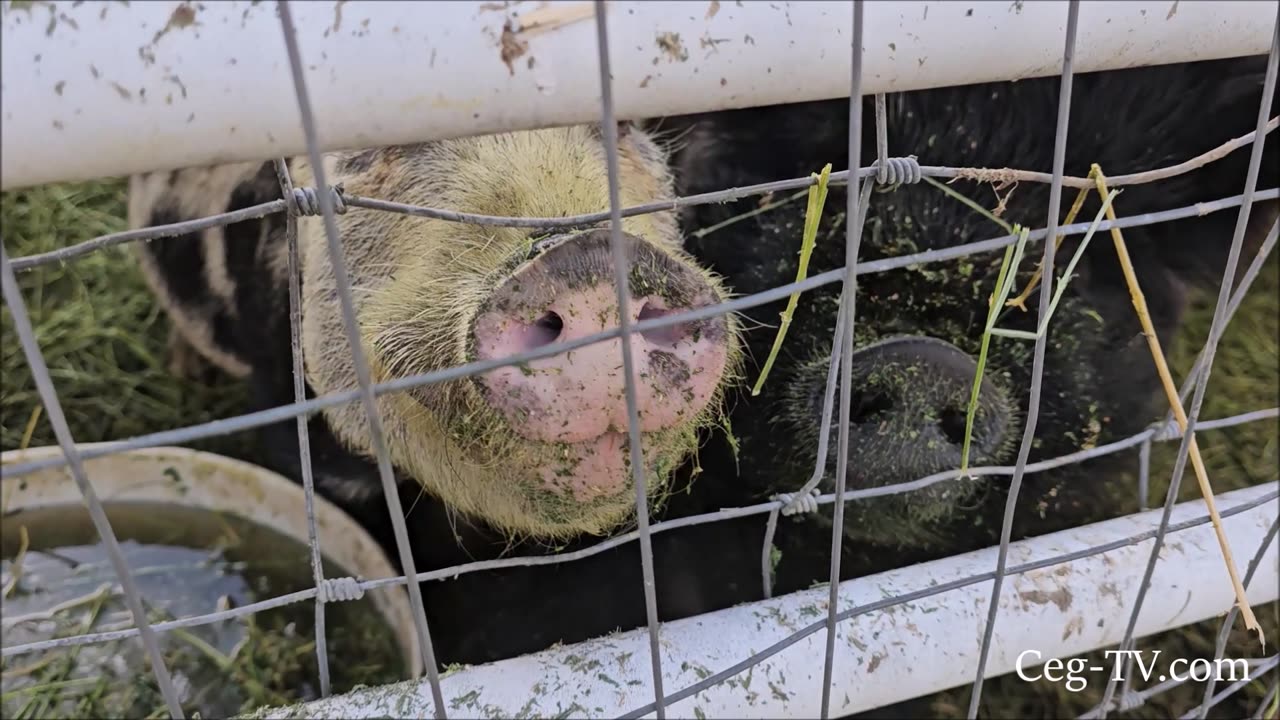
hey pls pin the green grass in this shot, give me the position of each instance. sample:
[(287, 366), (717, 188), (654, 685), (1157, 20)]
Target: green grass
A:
[(817, 198), (1245, 377), (100, 331)]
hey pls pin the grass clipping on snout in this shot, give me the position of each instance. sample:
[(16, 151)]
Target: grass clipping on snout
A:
[(998, 300), (812, 216), (1004, 285)]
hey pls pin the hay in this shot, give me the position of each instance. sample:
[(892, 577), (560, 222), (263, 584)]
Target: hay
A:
[(100, 330)]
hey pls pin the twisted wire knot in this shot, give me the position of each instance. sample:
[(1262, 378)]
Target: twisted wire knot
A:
[(341, 589), (798, 503), (305, 201), (1167, 430), (1130, 701), (898, 170)]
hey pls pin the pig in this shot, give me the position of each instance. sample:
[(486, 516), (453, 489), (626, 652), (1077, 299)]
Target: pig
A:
[(518, 460), (537, 450), (916, 336), (918, 330)]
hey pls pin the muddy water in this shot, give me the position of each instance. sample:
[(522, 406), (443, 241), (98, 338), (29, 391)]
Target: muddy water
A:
[(185, 562)]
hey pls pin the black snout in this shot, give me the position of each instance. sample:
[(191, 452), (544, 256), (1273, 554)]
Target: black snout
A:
[(907, 418)]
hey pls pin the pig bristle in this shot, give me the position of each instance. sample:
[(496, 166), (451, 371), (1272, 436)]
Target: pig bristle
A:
[(192, 193), (418, 284)]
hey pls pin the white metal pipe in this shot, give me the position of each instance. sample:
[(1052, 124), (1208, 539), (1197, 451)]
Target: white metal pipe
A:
[(884, 657), (104, 89)]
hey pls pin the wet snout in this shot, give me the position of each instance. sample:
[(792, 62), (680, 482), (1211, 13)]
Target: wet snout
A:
[(908, 414), (567, 292)]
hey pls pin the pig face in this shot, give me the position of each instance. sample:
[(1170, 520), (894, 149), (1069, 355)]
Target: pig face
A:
[(542, 448)]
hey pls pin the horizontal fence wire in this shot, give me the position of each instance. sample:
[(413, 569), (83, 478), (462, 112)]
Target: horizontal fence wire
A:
[(840, 177), (1155, 433), (1137, 698), (1261, 668), (328, 202), (280, 413), (886, 603)]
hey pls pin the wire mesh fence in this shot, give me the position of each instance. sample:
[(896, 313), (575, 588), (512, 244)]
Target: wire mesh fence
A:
[(327, 202)]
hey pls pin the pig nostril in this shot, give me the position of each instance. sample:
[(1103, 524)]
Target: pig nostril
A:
[(952, 424), (546, 329), (665, 336)]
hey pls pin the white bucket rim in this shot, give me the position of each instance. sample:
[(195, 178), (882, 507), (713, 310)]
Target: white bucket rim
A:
[(239, 488)]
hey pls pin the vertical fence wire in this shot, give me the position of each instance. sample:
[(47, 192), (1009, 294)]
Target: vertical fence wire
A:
[(1144, 498), (53, 409), (882, 138), (609, 129), (300, 395), (343, 287), (766, 554), (806, 498), (1144, 476), (1238, 295), (1128, 698), (1240, 291), (1144, 470), (853, 237), (1215, 333), (841, 360), (1207, 354), (1037, 371), (1221, 645), (1267, 699)]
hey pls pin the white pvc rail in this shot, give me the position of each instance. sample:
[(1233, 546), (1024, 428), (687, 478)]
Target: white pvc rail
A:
[(1056, 611), (104, 89)]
